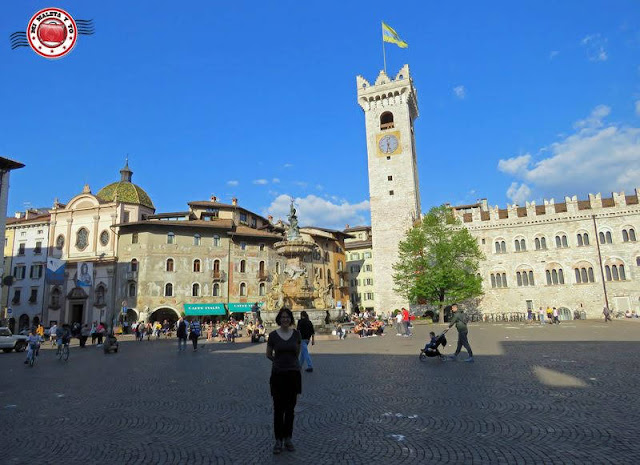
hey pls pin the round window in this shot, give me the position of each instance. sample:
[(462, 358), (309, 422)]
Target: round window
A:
[(82, 239), (104, 237)]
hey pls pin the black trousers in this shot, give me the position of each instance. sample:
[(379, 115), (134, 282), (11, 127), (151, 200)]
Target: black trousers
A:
[(463, 341), (284, 390), (194, 340)]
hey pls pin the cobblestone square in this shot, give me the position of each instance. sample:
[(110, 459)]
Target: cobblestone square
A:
[(562, 394)]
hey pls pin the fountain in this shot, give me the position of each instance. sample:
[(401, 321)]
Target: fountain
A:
[(292, 288)]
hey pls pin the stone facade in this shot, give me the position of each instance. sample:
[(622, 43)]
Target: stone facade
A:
[(390, 107), (29, 259), (360, 267), (213, 253), (547, 243)]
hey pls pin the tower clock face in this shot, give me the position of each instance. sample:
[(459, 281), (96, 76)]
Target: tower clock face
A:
[(388, 144)]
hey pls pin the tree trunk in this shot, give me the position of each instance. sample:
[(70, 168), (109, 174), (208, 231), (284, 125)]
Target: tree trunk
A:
[(441, 312)]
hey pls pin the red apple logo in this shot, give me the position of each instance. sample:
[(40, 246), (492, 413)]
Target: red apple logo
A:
[(52, 33)]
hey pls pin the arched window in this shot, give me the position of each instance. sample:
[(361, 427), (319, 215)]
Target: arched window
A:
[(261, 267), (607, 272), (168, 290), (243, 289), (499, 280), (519, 278), (216, 289), (497, 247), (216, 241), (82, 238), (169, 266), (623, 276), (517, 245), (195, 290), (171, 238), (132, 289), (493, 280), (531, 282), (196, 266), (564, 241), (196, 239), (386, 120), (580, 243), (216, 265), (601, 237), (628, 235), (133, 265), (543, 243), (585, 238), (632, 235), (614, 273), (100, 292), (243, 266), (261, 289), (555, 275), (537, 243), (637, 261), (583, 275), (625, 236), (55, 298), (591, 277), (609, 238), (577, 271)]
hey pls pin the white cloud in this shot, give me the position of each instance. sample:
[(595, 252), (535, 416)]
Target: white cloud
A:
[(275, 180), (638, 108), (288, 165), (597, 157), (514, 165), (519, 193), (232, 183), (460, 92), (594, 45), (553, 54), (260, 182), (316, 211)]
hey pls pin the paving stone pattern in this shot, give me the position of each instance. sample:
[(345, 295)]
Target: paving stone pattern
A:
[(552, 395)]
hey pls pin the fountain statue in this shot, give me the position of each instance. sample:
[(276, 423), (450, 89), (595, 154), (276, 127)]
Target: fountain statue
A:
[(292, 288)]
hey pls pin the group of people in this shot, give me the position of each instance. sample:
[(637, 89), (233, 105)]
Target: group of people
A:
[(403, 322), (368, 327), (551, 313)]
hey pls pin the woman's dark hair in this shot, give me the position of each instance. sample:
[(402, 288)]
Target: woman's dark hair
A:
[(304, 314), (288, 312)]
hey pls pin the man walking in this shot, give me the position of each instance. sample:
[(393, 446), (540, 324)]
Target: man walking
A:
[(307, 333), (458, 319), (181, 332), (194, 333), (406, 322), (607, 314), (555, 316)]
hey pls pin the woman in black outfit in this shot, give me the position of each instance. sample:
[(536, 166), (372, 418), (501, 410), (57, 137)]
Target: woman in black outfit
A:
[(283, 349)]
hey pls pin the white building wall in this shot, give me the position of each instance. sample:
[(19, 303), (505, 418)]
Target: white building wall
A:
[(623, 213)]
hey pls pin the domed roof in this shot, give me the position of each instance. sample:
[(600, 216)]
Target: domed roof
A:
[(125, 191)]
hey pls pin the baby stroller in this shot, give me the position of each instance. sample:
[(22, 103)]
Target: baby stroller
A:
[(441, 341)]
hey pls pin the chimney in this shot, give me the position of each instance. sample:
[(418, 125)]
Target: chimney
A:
[(234, 202), (214, 199), (270, 218), (347, 226)]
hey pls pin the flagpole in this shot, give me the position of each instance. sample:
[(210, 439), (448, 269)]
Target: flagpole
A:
[(384, 57)]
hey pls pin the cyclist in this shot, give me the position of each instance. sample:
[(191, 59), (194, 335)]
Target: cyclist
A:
[(63, 336), (33, 342)]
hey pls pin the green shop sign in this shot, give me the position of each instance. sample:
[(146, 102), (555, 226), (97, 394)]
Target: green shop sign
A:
[(242, 307), (204, 309)]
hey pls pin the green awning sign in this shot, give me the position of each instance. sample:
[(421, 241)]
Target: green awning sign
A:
[(242, 307), (204, 309)]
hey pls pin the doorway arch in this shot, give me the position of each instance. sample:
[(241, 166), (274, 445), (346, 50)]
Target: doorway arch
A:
[(164, 313)]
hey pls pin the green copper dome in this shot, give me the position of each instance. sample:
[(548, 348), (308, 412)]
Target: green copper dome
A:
[(125, 191)]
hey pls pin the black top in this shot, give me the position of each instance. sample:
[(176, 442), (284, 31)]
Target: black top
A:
[(306, 328), (182, 329), (285, 352)]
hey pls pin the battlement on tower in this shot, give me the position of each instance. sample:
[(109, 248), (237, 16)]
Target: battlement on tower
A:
[(571, 206), (387, 91)]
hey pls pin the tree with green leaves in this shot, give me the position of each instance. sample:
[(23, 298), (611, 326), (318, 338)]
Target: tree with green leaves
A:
[(438, 261)]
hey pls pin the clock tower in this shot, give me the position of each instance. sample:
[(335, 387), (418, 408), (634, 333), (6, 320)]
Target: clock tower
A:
[(390, 107)]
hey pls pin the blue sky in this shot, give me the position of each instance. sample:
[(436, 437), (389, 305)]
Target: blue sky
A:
[(518, 101)]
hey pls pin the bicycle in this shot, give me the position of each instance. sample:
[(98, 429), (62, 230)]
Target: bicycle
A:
[(63, 351), (32, 354)]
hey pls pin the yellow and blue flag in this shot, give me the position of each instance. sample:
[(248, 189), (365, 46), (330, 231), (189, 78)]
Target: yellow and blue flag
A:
[(390, 35)]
